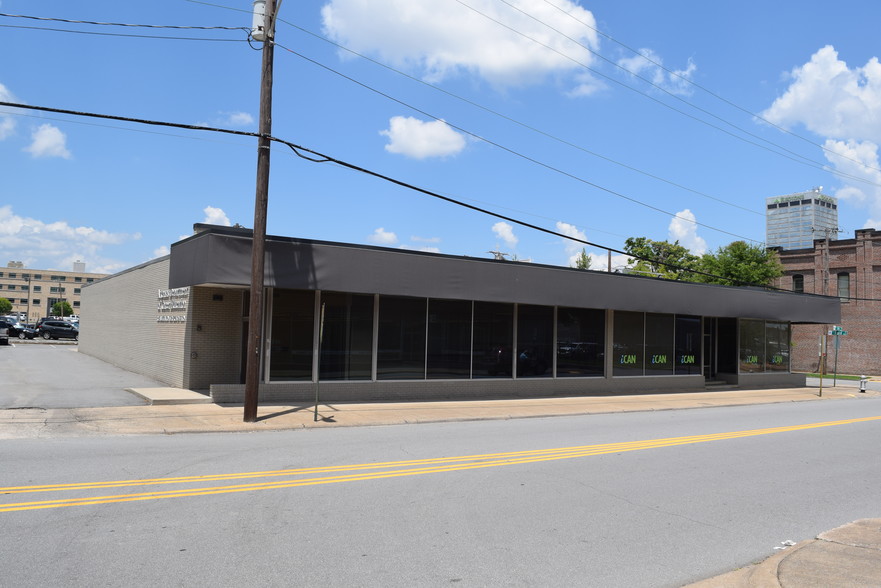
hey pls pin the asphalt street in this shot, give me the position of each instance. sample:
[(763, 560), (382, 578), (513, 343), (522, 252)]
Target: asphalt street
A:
[(653, 498), (645, 515)]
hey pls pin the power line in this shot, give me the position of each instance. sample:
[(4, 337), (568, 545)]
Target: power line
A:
[(806, 161), (129, 35), (122, 24), (119, 128), (793, 155), (517, 153), (520, 123), (704, 89), (318, 157)]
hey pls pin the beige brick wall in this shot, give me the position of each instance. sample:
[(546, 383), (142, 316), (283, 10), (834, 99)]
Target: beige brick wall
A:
[(215, 352), (119, 324)]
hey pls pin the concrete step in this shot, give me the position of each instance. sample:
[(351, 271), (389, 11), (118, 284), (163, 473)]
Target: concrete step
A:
[(717, 385)]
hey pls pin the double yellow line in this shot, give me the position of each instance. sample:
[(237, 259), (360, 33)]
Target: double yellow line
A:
[(356, 473)]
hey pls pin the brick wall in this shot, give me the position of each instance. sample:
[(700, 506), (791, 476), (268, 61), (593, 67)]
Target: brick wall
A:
[(860, 259), (119, 324), (215, 352)]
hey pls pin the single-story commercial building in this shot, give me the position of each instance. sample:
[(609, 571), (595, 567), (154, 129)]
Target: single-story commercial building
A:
[(371, 323)]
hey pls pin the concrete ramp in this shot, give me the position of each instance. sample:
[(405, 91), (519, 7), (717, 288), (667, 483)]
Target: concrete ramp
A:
[(170, 396)]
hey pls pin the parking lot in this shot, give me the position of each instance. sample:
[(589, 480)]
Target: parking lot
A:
[(43, 374)]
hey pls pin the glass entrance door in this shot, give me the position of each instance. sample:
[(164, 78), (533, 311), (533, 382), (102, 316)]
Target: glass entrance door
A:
[(709, 354)]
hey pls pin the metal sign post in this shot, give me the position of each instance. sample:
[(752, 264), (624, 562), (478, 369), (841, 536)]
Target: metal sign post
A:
[(837, 332), (835, 369), (318, 362)]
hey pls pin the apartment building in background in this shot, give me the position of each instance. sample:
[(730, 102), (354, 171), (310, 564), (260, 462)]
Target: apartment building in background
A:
[(34, 291), (794, 221)]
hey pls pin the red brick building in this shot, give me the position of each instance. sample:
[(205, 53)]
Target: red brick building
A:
[(850, 269)]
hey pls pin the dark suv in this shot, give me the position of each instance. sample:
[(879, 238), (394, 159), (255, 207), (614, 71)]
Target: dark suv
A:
[(16, 329), (50, 329)]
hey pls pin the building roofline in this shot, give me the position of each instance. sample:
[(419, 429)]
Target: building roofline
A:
[(221, 255)]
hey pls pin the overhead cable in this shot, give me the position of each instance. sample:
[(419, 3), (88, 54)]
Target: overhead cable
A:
[(517, 153), (715, 95), (794, 156), (318, 157)]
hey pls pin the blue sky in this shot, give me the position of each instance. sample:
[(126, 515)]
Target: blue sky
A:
[(600, 120)]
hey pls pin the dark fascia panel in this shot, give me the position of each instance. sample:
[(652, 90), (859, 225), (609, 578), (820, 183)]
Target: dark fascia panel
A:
[(223, 257)]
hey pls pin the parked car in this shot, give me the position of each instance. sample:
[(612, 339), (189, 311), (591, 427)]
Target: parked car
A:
[(17, 330), (4, 336), (51, 329)]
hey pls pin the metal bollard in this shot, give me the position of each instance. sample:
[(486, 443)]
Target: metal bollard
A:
[(863, 380)]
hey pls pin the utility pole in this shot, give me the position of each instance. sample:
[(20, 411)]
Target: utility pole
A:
[(261, 200)]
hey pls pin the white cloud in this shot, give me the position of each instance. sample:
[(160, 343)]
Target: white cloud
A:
[(831, 99), (859, 159), (505, 232), (424, 249), (238, 119), (161, 251), (419, 139), (215, 216), (648, 64), (425, 239), (842, 105), (57, 244), (440, 39), (382, 237), (585, 85), (7, 121), (573, 248), (684, 229), (48, 141)]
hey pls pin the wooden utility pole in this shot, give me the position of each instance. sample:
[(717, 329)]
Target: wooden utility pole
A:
[(261, 200)]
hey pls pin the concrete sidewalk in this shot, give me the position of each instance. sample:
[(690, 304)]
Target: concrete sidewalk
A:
[(171, 410), (848, 556)]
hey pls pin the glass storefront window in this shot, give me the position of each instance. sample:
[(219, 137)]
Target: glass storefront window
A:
[(293, 324), (449, 339), (581, 339), (777, 337), (627, 343), (535, 341), (493, 350), (347, 343), (658, 344), (688, 345), (401, 354), (752, 346)]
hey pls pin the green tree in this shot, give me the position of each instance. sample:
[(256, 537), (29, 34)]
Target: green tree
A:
[(660, 258), (740, 264), (583, 261), (62, 308), (5, 306)]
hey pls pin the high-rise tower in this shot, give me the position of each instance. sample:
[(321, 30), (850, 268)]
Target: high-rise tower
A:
[(795, 220)]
